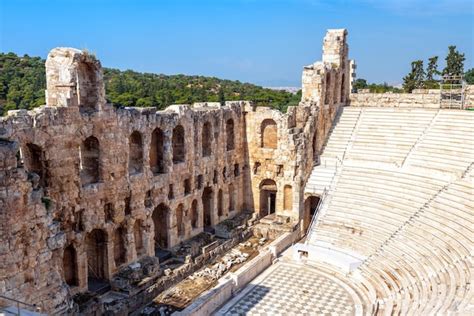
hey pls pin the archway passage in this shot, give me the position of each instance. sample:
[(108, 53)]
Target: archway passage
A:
[(268, 192), (179, 220), (157, 151), (160, 222), (207, 205), (206, 139), (138, 238), (90, 157), (119, 246), (194, 214), (220, 203), (310, 205), (315, 146), (96, 259), (135, 161), (269, 134), (179, 150), (70, 266)]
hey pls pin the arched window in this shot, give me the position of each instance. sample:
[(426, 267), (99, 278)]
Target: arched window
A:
[(328, 88), (135, 154), (90, 158), (179, 151), (179, 220), (87, 86), (229, 129), (206, 139), (119, 246), (70, 265), (138, 238), (160, 221), (34, 162), (315, 145), (269, 133), (288, 197), (157, 151), (220, 203)]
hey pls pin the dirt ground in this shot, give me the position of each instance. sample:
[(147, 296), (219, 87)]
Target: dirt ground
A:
[(183, 293)]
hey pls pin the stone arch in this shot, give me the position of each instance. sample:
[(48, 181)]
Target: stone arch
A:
[(310, 205), (160, 221), (138, 238), (88, 81), (231, 198), (34, 161), (343, 88), (96, 244), (269, 134), (70, 266), (328, 88), (90, 160), (157, 146), (206, 139), (194, 214), (135, 154), (207, 203), (119, 246), (220, 203), (268, 192), (288, 197), (229, 129), (179, 150), (179, 220)]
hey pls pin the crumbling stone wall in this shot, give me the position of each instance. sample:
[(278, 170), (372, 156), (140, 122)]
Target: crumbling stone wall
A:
[(86, 188)]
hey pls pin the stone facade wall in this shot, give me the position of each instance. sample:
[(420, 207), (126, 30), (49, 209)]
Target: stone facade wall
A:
[(86, 188), (419, 98)]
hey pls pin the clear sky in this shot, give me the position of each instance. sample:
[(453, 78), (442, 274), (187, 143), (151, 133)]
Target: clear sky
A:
[(260, 41)]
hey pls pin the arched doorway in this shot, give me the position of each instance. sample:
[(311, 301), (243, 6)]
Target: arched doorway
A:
[(157, 145), (268, 192), (138, 238), (310, 205), (135, 154), (70, 265), (269, 134), (207, 205), (160, 222), (96, 258)]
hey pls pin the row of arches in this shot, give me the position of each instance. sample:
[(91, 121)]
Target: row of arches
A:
[(329, 91), (96, 248)]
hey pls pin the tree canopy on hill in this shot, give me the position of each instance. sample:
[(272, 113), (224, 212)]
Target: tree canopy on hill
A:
[(23, 84)]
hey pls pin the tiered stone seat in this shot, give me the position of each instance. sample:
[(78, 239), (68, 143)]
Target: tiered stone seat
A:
[(387, 135), (404, 201), (448, 145)]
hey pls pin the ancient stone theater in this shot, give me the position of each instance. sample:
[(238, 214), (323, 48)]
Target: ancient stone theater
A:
[(348, 204)]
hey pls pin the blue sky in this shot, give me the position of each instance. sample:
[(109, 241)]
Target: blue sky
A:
[(260, 41)]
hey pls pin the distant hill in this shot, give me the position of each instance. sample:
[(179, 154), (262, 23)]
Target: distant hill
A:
[(23, 81)]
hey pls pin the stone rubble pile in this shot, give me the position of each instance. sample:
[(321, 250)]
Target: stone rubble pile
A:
[(218, 269)]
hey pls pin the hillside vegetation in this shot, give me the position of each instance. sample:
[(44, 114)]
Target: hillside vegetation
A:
[(23, 81)]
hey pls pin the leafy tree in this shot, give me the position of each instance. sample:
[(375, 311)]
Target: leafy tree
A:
[(469, 76), (432, 68), (454, 62), (415, 79), (360, 84)]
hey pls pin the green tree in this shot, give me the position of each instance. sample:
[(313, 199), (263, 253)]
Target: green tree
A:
[(415, 79), (360, 84), (469, 76), (454, 62), (432, 68)]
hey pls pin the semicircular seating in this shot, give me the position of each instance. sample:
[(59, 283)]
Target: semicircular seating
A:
[(403, 201)]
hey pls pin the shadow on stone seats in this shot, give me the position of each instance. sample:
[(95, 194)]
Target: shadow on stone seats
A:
[(162, 254)]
